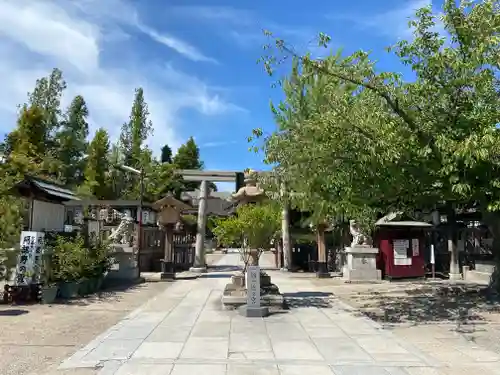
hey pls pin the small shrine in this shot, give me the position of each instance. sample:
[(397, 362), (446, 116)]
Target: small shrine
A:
[(169, 220)]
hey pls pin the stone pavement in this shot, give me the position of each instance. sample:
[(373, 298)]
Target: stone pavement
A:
[(185, 331)]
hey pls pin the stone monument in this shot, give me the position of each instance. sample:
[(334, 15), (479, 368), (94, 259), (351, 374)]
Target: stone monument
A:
[(361, 262), (253, 308), (122, 240), (168, 220)]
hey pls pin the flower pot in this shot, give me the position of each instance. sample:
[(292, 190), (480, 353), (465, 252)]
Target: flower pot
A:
[(91, 285), (83, 287), (100, 280), (49, 293), (68, 290)]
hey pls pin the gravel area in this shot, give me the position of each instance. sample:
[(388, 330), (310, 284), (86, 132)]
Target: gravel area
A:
[(35, 338)]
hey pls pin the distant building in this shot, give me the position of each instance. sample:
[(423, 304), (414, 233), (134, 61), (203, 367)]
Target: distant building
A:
[(218, 203)]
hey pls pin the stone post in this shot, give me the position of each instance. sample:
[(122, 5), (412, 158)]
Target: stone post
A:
[(452, 245), (322, 271), (168, 271), (199, 257)]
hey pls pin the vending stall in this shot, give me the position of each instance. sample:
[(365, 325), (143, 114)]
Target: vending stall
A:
[(402, 248)]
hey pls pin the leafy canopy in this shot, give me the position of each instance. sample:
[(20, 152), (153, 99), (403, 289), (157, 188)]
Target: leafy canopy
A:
[(255, 225), (356, 141)]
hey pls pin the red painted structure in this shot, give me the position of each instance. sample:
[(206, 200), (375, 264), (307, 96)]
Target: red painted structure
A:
[(402, 246)]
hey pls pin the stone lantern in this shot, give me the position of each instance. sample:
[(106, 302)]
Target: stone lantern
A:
[(169, 215), (251, 193)]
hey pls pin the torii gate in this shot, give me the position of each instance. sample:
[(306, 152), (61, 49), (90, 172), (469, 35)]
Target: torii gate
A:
[(205, 177)]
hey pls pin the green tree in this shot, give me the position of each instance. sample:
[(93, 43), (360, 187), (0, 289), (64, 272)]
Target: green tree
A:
[(47, 96), (133, 135), (97, 168), (166, 154), (428, 122), (254, 227), (72, 141), (29, 149), (27, 155), (188, 157), (165, 181), (370, 141)]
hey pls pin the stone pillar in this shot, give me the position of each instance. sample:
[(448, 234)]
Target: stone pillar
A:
[(279, 253), (168, 271), (452, 246), (285, 231), (169, 244), (322, 271), (199, 257)]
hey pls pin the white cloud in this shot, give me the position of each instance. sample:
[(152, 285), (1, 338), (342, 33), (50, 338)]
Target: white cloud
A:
[(217, 144), (392, 23), (37, 35), (176, 44), (57, 36)]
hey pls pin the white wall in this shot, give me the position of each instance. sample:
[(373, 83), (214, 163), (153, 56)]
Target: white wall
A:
[(47, 217)]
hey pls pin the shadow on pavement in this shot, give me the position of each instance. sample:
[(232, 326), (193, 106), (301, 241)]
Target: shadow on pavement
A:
[(308, 299), (13, 312), (112, 291), (216, 275), (423, 304), (223, 268)]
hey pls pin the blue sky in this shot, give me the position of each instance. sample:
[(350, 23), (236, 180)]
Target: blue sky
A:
[(195, 60)]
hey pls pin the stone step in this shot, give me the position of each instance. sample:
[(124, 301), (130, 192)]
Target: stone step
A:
[(485, 267), (477, 277)]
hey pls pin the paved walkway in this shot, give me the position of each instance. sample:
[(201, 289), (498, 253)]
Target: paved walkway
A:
[(185, 331)]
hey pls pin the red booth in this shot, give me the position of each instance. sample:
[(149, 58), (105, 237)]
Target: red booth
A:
[(402, 246)]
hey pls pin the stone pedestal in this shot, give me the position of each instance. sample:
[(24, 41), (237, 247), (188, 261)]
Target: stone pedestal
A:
[(238, 280), (198, 269), (254, 312), (125, 267), (167, 270), (361, 265)]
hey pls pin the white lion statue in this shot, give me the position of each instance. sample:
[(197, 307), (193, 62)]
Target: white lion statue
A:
[(358, 237)]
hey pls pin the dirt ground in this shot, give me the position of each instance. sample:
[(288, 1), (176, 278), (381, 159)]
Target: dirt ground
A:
[(428, 312), (35, 338)]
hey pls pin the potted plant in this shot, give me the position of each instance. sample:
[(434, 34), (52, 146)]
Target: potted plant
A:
[(103, 262), (67, 257), (98, 263)]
